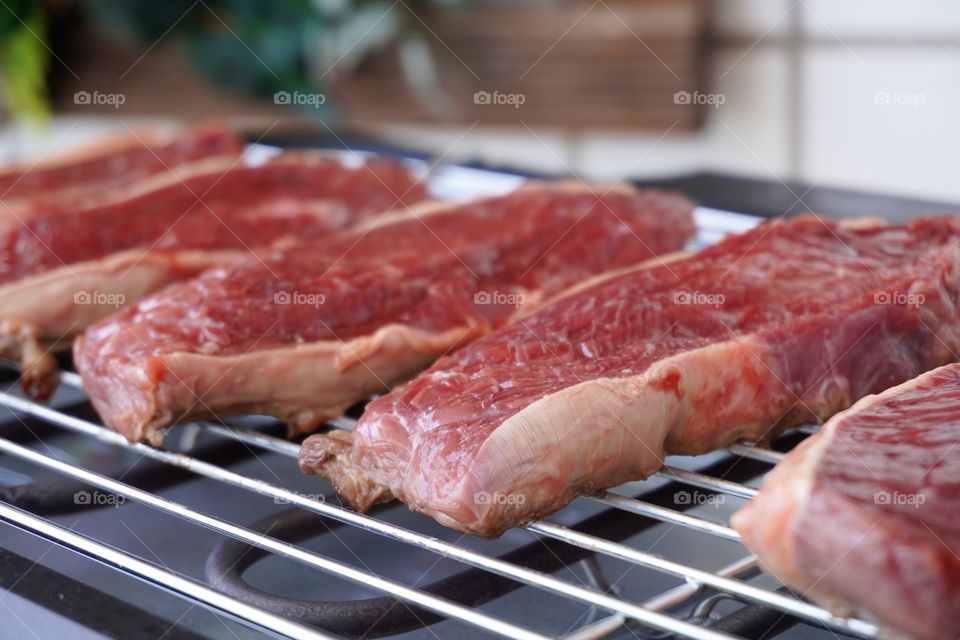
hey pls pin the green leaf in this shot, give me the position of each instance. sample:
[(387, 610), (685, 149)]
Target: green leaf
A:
[(24, 61)]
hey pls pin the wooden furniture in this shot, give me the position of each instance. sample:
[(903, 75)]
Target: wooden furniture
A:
[(575, 63)]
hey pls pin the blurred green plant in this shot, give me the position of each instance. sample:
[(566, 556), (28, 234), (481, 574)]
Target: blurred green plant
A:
[(24, 59), (253, 46), (262, 46)]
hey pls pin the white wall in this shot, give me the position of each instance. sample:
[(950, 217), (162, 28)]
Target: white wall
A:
[(850, 51)]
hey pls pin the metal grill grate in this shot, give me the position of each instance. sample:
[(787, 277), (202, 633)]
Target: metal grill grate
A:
[(723, 581), (654, 617)]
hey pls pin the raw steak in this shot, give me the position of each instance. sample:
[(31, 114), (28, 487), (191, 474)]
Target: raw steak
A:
[(90, 173), (790, 321), (863, 515), (303, 332), (62, 271)]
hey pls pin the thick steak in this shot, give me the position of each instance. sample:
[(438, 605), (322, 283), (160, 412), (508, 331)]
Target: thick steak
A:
[(791, 321), (89, 173), (60, 271), (305, 331), (863, 515)]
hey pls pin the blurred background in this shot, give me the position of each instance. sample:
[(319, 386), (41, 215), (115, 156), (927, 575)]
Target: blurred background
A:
[(860, 93)]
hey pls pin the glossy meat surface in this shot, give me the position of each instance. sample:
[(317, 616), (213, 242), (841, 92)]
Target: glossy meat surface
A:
[(220, 204), (107, 166), (397, 295), (61, 270), (787, 322), (864, 515)]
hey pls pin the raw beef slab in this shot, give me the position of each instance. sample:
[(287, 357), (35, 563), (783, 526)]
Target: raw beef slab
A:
[(63, 270), (305, 331), (864, 516), (86, 175), (789, 322)]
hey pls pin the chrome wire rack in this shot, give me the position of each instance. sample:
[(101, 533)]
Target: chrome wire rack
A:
[(653, 614), (682, 610)]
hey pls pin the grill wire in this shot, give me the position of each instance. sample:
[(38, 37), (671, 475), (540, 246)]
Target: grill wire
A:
[(654, 614)]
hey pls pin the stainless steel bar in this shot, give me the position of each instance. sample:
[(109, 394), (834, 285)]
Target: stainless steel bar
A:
[(598, 629), (755, 452), (495, 565), (707, 482), (666, 600), (68, 378), (632, 505), (168, 579), (742, 589), (426, 600), (277, 445), (343, 422), (253, 437), (608, 498), (809, 429), (664, 514), (285, 447), (681, 593)]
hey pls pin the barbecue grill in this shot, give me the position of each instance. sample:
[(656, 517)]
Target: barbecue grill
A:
[(219, 535)]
